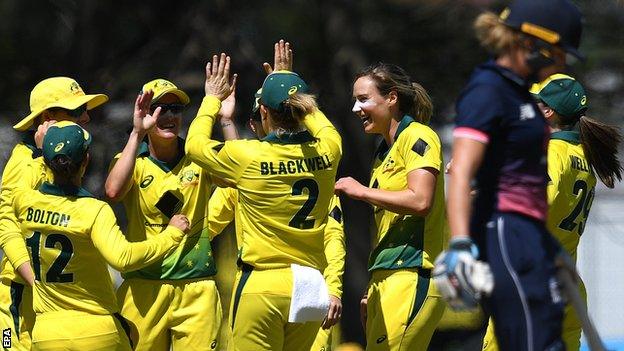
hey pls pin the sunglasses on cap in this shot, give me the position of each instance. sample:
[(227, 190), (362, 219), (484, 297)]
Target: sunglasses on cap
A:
[(175, 109), (75, 113)]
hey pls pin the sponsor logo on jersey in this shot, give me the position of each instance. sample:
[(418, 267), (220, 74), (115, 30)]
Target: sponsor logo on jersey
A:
[(381, 339), (146, 181)]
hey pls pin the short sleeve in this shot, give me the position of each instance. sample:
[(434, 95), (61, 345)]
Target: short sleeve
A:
[(421, 149), (479, 112)]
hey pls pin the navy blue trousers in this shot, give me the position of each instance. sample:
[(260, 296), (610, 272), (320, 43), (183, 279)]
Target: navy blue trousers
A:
[(526, 304)]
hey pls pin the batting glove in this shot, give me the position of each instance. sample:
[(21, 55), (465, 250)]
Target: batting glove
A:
[(459, 277)]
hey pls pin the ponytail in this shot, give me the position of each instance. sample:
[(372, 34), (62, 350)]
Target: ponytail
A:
[(295, 108), (600, 145), (423, 106)]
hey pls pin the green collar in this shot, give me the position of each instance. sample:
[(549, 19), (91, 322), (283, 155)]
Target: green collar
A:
[(290, 138), (28, 139), (567, 135), (65, 190), (383, 148), (167, 167)]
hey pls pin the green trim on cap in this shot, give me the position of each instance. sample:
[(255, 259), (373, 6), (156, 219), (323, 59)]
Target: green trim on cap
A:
[(567, 135), (66, 138), (65, 190), (290, 138), (563, 94)]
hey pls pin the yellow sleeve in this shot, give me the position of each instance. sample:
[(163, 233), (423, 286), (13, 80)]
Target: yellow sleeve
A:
[(221, 208), (224, 160), (125, 256), (334, 249), (421, 149), (321, 128), (555, 171), (20, 172)]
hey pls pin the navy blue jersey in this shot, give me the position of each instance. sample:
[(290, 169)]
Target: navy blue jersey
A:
[(497, 109)]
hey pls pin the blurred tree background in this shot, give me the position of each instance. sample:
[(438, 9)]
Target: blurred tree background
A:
[(116, 46)]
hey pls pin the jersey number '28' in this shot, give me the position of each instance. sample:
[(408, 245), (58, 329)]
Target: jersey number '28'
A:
[(300, 220), (55, 273), (583, 205)]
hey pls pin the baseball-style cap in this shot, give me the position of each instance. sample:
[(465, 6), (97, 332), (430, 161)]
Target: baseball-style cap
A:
[(66, 138), (61, 92), (563, 94), (161, 87), (557, 22), (278, 86)]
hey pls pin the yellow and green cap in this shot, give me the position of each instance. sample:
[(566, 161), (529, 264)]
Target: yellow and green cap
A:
[(160, 87), (563, 94), (278, 86), (60, 92), (66, 138), (255, 109)]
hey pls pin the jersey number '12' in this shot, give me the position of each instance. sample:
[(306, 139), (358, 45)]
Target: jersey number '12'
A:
[(55, 273), (583, 205), (300, 220)]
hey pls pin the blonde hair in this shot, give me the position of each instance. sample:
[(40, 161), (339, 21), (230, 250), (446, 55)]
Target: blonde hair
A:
[(494, 35), (296, 107)]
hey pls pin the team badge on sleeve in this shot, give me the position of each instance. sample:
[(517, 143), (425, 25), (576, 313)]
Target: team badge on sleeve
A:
[(420, 147)]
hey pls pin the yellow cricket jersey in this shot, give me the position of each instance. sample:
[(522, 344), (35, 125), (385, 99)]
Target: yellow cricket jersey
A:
[(407, 241), (71, 237), (285, 185), (570, 189), (223, 210), (24, 170), (157, 192)]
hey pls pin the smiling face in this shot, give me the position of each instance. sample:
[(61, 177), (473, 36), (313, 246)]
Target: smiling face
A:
[(168, 124), (372, 108)]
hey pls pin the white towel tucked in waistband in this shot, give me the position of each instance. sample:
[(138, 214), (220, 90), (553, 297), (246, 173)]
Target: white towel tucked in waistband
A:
[(310, 297)]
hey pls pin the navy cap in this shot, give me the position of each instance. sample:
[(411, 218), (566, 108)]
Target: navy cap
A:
[(557, 22)]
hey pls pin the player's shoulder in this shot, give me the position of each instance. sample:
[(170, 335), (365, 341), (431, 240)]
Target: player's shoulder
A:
[(418, 135)]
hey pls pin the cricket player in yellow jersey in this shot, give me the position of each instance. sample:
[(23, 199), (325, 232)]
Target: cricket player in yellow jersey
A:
[(285, 185), (52, 99), (402, 308), (174, 303), (72, 236), (223, 211), (574, 159)]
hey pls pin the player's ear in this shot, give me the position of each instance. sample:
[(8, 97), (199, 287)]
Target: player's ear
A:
[(392, 98)]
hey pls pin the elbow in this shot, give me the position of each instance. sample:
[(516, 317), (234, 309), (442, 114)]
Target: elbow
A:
[(112, 193), (421, 207)]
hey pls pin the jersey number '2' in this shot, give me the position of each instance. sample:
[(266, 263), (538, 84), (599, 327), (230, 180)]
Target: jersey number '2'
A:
[(55, 273), (300, 220), (584, 204)]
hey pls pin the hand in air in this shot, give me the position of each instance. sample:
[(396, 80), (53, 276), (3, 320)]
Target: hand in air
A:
[(283, 58), (218, 81)]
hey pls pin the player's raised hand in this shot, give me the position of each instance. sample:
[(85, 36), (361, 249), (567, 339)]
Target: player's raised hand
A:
[(283, 58), (143, 119), (181, 222), (218, 81), (42, 129), (226, 113)]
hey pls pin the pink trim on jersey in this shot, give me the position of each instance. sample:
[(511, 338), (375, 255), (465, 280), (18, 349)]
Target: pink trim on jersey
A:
[(471, 133), (525, 205)]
